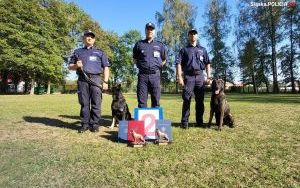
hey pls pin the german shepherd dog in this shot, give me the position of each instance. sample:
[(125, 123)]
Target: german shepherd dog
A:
[(219, 106), (119, 107)]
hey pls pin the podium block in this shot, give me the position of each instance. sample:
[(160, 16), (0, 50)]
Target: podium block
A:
[(149, 116), (164, 126), (123, 130), (137, 127)]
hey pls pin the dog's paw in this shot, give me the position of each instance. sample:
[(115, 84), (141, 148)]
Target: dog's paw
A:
[(111, 127), (208, 125)]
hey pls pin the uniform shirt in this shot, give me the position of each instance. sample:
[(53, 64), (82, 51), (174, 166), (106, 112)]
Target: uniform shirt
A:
[(149, 56), (192, 58), (93, 59)]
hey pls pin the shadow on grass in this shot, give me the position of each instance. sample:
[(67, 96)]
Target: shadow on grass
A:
[(70, 117), (191, 125), (52, 122), (111, 136), (104, 121), (239, 97), (266, 98)]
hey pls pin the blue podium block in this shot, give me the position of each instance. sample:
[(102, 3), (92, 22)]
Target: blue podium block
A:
[(165, 127)]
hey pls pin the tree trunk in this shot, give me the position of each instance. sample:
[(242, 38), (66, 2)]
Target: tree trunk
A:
[(32, 87), (254, 82), (292, 55), (274, 65), (25, 87), (267, 84), (48, 88), (225, 79), (4, 75)]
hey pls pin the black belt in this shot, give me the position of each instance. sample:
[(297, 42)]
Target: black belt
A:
[(89, 75), (193, 73), (148, 71)]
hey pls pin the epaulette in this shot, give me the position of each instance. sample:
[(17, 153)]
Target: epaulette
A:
[(99, 50), (159, 42)]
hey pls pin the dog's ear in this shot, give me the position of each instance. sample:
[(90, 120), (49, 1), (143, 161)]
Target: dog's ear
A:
[(213, 84), (222, 83)]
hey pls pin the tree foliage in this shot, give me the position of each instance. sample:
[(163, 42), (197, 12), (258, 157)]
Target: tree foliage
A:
[(289, 53), (37, 36), (216, 30), (122, 67), (271, 26), (177, 17)]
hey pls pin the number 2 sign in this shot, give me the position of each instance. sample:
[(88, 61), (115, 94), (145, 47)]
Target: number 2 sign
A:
[(149, 116)]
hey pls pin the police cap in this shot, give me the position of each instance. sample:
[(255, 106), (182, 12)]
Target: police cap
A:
[(193, 31), (89, 32), (150, 24)]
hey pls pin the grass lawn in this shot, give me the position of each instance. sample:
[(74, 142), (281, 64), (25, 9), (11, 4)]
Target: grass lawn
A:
[(40, 146)]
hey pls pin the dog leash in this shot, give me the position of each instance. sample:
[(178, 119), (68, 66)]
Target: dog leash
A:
[(86, 77)]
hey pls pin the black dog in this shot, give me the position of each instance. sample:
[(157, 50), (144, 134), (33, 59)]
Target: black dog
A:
[(219, 106), (119, 107)]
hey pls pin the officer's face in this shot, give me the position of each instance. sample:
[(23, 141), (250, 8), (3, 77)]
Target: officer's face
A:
[(193, 37), (88, 40), (149, 32)]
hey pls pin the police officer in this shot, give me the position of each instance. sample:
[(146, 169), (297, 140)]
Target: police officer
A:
[(192, 60), (149, 56), (93, 62)]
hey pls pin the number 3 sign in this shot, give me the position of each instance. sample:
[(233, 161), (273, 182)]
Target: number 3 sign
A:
[(149, 116)]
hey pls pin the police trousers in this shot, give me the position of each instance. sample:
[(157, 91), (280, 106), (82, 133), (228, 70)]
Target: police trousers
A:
[(90, 98), (148, 83), (193, 84)]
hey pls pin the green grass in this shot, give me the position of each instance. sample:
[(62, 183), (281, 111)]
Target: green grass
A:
[(40, 146)]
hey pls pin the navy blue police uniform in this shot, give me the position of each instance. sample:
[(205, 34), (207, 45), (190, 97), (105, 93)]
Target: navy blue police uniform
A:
[(89, 95), (149, 58), (193, 61)]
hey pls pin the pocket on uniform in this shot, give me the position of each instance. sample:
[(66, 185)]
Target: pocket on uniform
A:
[(200, 58), (79, 96)]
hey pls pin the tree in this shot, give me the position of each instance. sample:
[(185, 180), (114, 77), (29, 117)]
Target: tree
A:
[(35, 41), (26, 43), (268, 24), (248, 63), (216, 30), (177, 17), (288, 53), (122, 67), (249, 27)]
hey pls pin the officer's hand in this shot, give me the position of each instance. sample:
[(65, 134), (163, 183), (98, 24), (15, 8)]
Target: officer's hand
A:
[(181, 82), (208, 81), (105, 86), (79, 64)]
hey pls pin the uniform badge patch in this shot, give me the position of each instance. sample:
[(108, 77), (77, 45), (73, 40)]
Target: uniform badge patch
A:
[(93, 58), (156, 54), (201, 57)]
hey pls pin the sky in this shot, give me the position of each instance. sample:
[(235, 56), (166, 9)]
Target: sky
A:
[(121, 16)]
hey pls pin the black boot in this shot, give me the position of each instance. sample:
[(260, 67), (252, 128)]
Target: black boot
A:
[(184, 125), (94, 128), (83, 128)]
